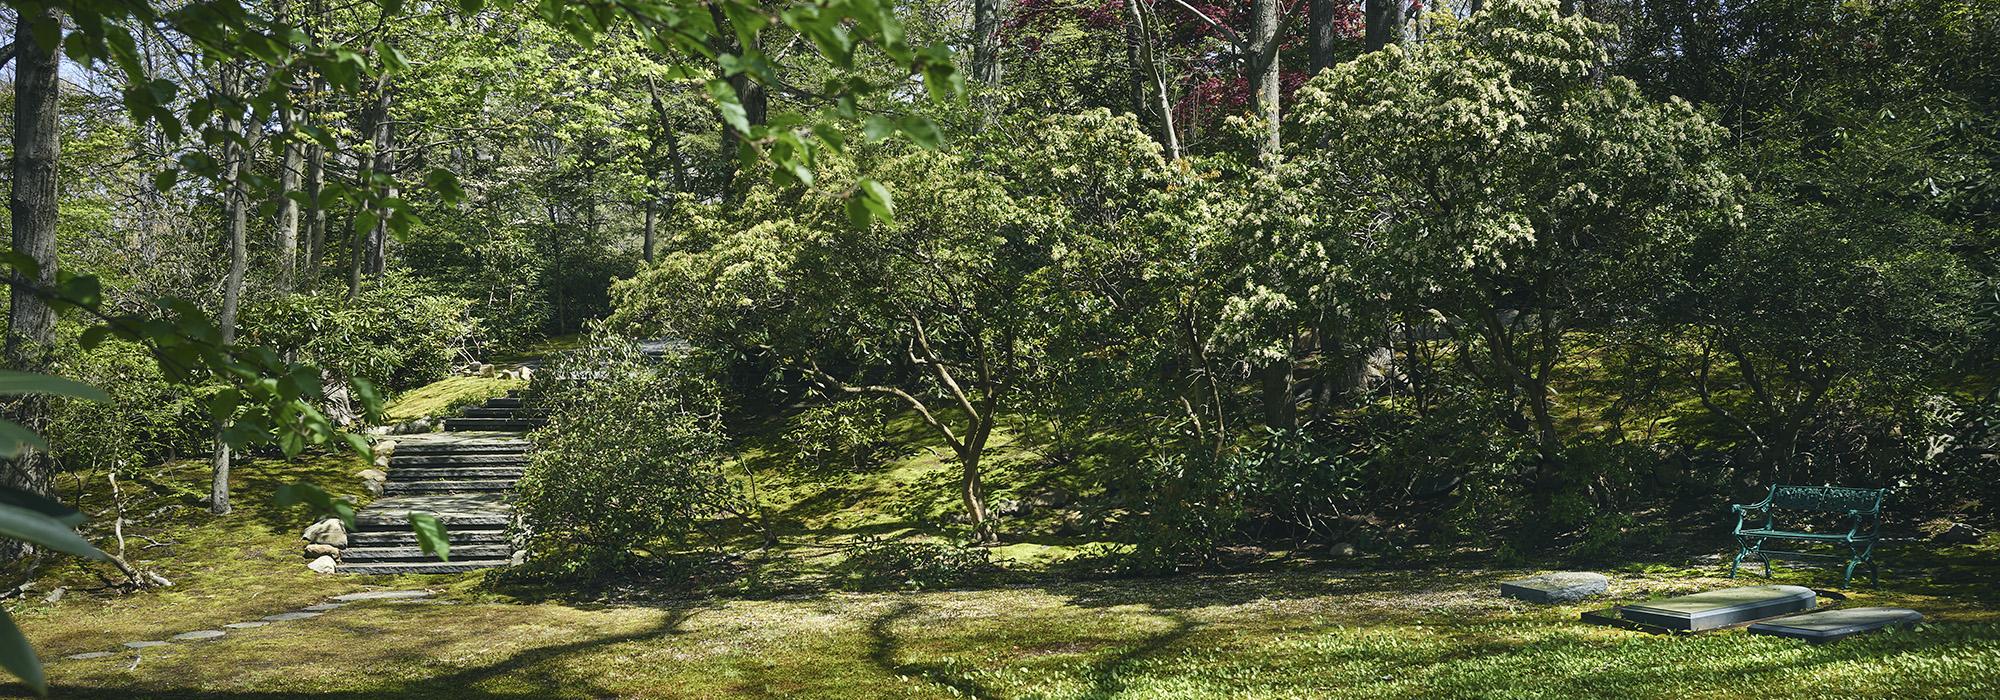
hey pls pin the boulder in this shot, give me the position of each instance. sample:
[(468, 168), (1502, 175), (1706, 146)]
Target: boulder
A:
[(486, 370), (1341, 549), (322, 550), (1560, 587), (1958, 533), (324, 565), (372, 475), (329, 531)]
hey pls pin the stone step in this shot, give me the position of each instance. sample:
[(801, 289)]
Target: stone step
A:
[(366, 522), (504, 402), (498, 444), (491, 412), (490, 459), (448, 486), (414, 474), (365, 555), (468, 511), (519, 425), (422, 567), (405, 538)]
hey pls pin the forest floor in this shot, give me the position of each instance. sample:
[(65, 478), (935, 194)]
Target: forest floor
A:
[(1418, 624)]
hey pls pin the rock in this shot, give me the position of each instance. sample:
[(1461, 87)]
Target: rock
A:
[(198, 635), (89, 655), (1958, 533), (486, 370), (245, 625), (322, 550), (144, 645), (381, 462), (526, 373), (1051, 497), (290, 616), (56, 594), (329, 531), (519, 557), (324, 565), (1560, 587), (373, 475), (323, 607), (380, 595), (1341, 549), (374, 488), (1008, 508)]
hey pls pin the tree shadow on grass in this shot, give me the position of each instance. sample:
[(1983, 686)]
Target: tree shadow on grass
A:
[(883, 647), (529, 666)]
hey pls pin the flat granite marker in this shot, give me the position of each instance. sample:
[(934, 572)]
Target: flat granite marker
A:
[(1559, 587), (1832, 625), (1722, 608)]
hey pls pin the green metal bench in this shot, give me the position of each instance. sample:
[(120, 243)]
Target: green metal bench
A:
[(1859, 510)]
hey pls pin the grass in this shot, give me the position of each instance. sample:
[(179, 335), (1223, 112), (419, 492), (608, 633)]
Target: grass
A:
[(1414, 624), (445, 396), (1324, 633)]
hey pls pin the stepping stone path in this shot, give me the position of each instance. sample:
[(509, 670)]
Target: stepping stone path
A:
[(1837, 624), (1559, 587), (465, 476), (308, 612), (1721, 608)]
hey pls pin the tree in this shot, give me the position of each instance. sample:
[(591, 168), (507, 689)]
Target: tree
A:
[(1514, 194), (32, 208)]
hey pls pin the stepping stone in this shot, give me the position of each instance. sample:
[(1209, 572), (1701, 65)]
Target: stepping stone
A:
[(1821, 627), (1721, 608), (90, 655), (289, 616), (381, 595), (144, 645), (1559, 587), (198, 635), (246, 625), (323, 607)]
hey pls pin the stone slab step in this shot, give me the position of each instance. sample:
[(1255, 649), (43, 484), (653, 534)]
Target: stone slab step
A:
[(421, 567), (494, 424), (448, 486), (1721, 608), (413, 474), (364, 555), (409, 539), (504, 402), (487, 510), (485, 459), (491, 412), (460, 442), (1832, 625)]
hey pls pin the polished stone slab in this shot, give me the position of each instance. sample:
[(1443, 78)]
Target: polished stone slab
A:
[(1837, 624), (1559, 587), (1721, 608)]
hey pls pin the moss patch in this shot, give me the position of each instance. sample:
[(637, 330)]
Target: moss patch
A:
[(445, 397)]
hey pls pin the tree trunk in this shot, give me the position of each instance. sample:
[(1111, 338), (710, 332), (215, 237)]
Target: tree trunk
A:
[(1264, 82), (32, 210), (288, 181), (385, 163), (986, 42), (237, 198), (1319, 31), (972, 485), (1145, 27), (1382, 22), (315, 214)]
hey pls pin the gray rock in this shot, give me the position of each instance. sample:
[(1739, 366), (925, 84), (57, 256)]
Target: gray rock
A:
[(246, 625), (1342, 549), (380, 595), (322, 550), (329, 531), (198, 635), (373, 474), (90, 655), (290, 616), (1721, 608), (324, 565), (1558, 588), (1958, 533), (144, 645), (323, 607), (1833, 625)]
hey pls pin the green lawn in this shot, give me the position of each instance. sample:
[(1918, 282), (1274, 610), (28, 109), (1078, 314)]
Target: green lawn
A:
[(1327, 633)]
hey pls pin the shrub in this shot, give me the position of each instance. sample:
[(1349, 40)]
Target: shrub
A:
[(843, 436), (398, 333), (913, 565), (631, 453), (149, 419)]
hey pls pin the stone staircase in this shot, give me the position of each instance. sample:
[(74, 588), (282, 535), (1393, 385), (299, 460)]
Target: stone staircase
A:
[(464, 476)]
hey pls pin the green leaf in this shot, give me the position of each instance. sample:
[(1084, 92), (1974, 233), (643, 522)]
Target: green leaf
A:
[(431, 535), (34, 527), (15, 440), (41, 504), (302, 492), (921, 131), (19, 656), (729, 106), (445, 183), (16, 383)]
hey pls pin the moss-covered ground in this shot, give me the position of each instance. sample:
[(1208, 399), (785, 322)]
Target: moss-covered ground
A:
[(1410, 624)]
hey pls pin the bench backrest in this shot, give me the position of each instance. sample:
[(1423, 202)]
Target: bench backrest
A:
[(1825, 499)]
